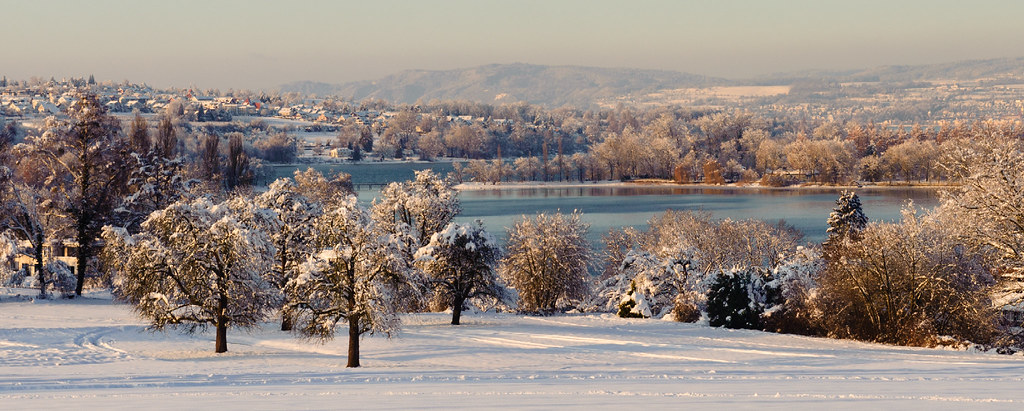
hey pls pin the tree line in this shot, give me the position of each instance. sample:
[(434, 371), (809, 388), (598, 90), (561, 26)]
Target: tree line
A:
[(526, 143)]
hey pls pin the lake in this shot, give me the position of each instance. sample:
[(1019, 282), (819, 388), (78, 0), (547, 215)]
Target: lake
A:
[(608, 206)]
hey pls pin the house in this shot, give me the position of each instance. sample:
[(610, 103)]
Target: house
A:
[(45, 107), (340, 153), (65, 252), (1009, 302)]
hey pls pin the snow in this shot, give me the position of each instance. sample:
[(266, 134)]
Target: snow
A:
[(91, 353)]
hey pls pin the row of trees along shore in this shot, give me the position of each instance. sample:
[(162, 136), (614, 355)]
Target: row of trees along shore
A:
[(528, 143), (737, 147), (191, 246)]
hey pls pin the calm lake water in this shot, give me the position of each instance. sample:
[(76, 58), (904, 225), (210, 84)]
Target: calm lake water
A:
[(606, 208)]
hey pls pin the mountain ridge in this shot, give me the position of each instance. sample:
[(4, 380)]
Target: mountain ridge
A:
[(582, 86), (552, 86)]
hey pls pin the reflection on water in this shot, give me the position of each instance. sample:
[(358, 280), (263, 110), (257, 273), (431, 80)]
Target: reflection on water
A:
[(926, 194), (365, 173)]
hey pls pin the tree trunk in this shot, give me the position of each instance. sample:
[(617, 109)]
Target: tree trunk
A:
[(39, 265), (81, 260), (222, 325), (353, 342), (286, 322), (222, 335), (457, 309)]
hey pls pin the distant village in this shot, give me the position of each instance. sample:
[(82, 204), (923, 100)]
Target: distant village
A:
[(28, 100)]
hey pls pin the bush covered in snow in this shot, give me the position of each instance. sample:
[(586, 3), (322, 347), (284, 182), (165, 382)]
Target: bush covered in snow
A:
[(795, 280), (738, 298), (61, 277), (634, 304), (676, 261), (659, 279), (8, 246), (906, 283)]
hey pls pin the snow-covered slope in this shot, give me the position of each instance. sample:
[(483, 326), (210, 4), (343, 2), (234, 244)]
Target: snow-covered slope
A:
[(94, 354)]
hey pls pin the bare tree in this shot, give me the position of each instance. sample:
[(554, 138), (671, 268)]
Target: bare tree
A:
[(238, 170), (138, 135), (209, 158), (167, 138), (989, 208), (906, 283), (547, 261)]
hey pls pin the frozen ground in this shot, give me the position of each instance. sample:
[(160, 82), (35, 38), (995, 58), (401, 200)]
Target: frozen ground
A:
[(94, 354)]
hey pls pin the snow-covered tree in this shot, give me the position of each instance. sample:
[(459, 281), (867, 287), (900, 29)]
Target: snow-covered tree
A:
[(84, 159), (24, 214), (351, 277), (292, 233), (8, 249), (154, 182), (547, 261), (658, 279), (989, 207), (413, 211), (314, 186), (459, 263), (847, 220), (423, 206), (196, 264)]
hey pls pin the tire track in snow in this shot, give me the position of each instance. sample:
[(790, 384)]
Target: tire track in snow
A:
[(25, 347)]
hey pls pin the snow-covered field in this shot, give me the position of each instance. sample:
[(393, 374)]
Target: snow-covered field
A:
[(91, 353)]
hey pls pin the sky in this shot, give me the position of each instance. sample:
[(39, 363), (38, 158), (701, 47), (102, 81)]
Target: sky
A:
[(257, 44)]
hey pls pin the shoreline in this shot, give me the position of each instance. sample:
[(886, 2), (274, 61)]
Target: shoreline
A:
[(658, 183), (476, 186)]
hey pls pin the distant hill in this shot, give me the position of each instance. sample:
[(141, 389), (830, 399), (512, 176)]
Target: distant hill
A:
[(585, 87), (967, 70), (551, 86)]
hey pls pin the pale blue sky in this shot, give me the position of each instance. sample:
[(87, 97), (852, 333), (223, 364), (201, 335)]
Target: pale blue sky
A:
[(262, 44)]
